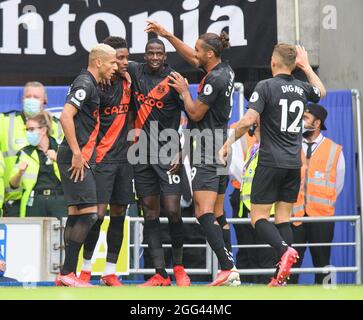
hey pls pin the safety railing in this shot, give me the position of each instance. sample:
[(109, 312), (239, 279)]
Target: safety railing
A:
[(136, 246), (212, 262)]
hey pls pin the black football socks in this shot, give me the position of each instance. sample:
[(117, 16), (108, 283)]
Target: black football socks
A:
[(214, 236), (271, 235), (153, 239), (226, 232), (115, 234), (75, 233), (176, 231), (91, 240), (286, 232)]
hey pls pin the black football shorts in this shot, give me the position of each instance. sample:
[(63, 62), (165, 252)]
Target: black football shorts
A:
[(153, 179), (81, 193), (115, 183), (270, 185), (206, 178)]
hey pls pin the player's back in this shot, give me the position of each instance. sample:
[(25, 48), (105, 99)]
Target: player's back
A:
[(281, 102)]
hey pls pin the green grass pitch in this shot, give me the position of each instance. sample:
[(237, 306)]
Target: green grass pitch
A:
[(131, 292)]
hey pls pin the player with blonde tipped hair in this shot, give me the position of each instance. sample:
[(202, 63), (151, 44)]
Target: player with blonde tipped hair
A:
[(77, 156)]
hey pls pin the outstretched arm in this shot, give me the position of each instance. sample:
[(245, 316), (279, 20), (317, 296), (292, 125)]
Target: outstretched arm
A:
[(183, 49), (251, 117)]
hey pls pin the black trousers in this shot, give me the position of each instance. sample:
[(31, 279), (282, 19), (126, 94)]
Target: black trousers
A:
[(11, 209), (316, 232), (53, 206), (250, 258)]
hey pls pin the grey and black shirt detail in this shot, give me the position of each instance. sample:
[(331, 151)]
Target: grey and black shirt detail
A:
[(83, 95), (281, 102), (216, 91)]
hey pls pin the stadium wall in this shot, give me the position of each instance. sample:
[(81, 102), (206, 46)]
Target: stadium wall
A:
[(308, 12), (340, 33), (331, 32)]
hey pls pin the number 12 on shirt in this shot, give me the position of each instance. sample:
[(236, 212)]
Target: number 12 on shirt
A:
[(285, 109)]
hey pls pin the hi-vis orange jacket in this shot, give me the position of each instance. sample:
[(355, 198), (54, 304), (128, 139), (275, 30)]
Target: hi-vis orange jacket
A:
[(317, 193)]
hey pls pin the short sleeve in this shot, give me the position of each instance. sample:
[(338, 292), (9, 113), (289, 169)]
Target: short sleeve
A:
[(209, 93), (258, 98), (79, 93), (313, 93)]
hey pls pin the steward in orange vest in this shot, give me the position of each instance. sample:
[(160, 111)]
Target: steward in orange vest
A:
[(318, 194), (322, 179)]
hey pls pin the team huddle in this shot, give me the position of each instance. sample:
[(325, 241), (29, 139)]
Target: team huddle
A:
[(113, 112)]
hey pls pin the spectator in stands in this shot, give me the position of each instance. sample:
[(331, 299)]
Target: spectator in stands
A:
[(36, 171), (322, 180), (13, 138), (2, 189)]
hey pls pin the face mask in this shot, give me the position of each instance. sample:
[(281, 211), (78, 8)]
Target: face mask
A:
[(307, 130), (308, 134), (31, 107), (307, 127), (33, 138)]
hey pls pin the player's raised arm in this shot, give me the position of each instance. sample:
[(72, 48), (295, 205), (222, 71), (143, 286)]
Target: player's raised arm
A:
[(183, 49), (302, 62)]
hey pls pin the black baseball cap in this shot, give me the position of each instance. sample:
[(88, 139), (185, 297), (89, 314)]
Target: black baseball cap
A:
[(319, 112)]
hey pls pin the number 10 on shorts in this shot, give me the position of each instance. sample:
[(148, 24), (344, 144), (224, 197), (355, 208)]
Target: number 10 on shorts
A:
[(174, 179)]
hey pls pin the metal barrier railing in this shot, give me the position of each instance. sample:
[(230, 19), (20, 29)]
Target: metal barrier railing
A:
[(212, 262), (136, 246)]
